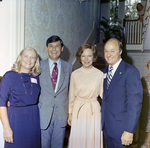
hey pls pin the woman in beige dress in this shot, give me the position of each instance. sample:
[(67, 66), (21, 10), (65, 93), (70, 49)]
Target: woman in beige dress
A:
[(84, 109)]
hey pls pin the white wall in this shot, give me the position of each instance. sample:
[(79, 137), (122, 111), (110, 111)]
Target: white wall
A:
[(4, 45), (4, 36), (140, 60), (11, 32), (11, 37)]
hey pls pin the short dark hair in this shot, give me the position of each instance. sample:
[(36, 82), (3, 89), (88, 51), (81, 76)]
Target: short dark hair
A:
[(120, 45), (84, 47), (54, 38)]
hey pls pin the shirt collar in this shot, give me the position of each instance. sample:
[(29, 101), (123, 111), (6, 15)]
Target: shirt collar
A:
[(51, 62), (115, 66)]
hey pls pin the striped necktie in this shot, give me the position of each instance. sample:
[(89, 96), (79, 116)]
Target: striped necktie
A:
[(109, 76)]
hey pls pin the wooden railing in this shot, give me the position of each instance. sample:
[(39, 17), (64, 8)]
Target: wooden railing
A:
[(133, 31)]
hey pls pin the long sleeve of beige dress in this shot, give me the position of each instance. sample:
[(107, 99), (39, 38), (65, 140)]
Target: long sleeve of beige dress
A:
[(85, 87)]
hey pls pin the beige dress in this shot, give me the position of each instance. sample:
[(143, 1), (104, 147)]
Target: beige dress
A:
[(85, 87)]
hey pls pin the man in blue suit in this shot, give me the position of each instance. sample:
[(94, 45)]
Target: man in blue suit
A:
[(122, 98), (53, 100)]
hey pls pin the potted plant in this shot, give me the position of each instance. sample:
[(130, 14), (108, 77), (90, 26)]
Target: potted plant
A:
[(110, 28)]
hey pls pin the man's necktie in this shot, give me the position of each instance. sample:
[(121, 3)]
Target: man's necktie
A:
[(109, 76), (54, 75)]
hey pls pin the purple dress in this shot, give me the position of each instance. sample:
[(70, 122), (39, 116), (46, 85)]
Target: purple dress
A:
[(22, 91)]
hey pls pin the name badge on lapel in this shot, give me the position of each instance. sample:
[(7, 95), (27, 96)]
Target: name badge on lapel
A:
[(33, 80), (105, 74)]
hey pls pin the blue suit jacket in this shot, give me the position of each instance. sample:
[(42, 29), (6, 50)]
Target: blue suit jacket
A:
[(122, 102)]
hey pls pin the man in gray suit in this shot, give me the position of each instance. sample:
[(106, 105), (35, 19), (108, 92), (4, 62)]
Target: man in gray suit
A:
[(53, 100)]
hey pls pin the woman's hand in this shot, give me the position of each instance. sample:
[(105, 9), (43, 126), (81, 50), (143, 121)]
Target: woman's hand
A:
[(8, 135), (69, 118)]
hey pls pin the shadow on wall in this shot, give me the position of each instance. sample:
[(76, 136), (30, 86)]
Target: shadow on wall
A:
[(124, 54), (65, 54)]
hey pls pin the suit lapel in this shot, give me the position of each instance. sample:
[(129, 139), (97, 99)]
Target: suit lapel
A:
[(105, 79), (46, 74), (117, 76), (62, 75)]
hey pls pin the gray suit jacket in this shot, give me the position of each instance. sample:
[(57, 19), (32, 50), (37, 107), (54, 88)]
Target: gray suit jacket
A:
[(49, 99)]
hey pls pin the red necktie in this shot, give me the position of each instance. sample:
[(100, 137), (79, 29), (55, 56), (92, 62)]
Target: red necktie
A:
[(54, 75)]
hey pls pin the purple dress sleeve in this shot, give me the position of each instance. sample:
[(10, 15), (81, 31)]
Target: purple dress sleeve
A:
[(5, 89)]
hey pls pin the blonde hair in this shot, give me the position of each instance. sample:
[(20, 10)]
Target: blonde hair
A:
[(36, 70)]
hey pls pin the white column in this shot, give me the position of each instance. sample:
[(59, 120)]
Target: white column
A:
[(11, 37), (11, 32)]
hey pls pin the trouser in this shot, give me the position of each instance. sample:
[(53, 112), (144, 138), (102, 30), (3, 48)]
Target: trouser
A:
[(53, 136)]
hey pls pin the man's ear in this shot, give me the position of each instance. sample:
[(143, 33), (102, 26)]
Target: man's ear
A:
[(120, 52), (62, 48)]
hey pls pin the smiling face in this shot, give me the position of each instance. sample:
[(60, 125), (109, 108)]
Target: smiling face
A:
[(111, 52), (54, 50), (27, 62), (87, 58)]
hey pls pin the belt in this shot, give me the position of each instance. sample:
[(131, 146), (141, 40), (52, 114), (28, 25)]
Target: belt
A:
[(22, 106), (85, 101)]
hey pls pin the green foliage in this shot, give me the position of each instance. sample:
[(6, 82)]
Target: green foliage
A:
[(114, 9), (111, 28), (130, 10)]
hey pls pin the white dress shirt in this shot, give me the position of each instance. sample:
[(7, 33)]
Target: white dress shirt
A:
[(115, 67)]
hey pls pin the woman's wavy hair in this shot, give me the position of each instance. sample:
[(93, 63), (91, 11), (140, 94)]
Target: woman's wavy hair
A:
[(84, 47), (36, 70)]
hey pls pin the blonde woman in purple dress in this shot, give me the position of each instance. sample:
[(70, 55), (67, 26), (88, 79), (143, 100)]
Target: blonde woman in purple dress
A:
[(20, 86)]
